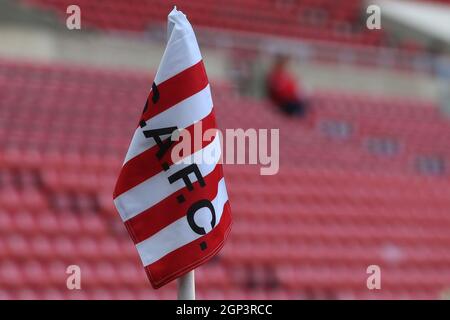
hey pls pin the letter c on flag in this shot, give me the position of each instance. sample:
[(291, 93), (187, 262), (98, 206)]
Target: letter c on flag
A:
[(191, 213)]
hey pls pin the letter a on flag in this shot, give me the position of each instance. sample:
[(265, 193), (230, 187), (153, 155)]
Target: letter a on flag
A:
[(176, 210)]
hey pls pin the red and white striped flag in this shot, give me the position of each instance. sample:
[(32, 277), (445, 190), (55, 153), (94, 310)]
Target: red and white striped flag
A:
[(176, 212)]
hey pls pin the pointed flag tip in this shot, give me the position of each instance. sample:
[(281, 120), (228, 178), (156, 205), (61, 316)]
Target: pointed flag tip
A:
[(175, 15), (175, 11), (177, 20)]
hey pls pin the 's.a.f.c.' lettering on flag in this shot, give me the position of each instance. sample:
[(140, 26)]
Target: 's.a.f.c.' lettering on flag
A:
[(176, 212)]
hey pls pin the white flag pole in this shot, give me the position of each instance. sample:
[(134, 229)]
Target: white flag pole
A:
[(186, 286)]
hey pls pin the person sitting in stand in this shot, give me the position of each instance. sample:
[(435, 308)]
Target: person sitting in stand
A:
[(283, 89)]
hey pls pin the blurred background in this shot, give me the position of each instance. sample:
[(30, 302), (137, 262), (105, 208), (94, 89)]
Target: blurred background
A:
[(364, 145)]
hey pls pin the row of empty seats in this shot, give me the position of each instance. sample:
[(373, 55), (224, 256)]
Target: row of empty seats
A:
[(363, 180), (327, 20)]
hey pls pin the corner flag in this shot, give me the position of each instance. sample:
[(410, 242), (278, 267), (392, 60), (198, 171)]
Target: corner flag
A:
[(176, 211)]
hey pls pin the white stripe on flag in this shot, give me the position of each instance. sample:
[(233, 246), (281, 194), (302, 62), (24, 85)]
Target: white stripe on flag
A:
[(165, 241), (158, 187), (182, 115), (182, 50)]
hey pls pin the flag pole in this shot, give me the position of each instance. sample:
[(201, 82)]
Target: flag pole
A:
[(186, 286)]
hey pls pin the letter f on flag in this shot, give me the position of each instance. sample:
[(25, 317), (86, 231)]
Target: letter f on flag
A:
[(177, 213)]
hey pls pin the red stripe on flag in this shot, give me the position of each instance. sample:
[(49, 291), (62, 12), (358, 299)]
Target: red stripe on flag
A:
[(174, 90), (152, 220), (190, 256), (146, 164)]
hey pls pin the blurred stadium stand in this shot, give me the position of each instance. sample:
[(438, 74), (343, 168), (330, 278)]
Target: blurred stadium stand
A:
[(328, 20), (364, 181), (336, 206)]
